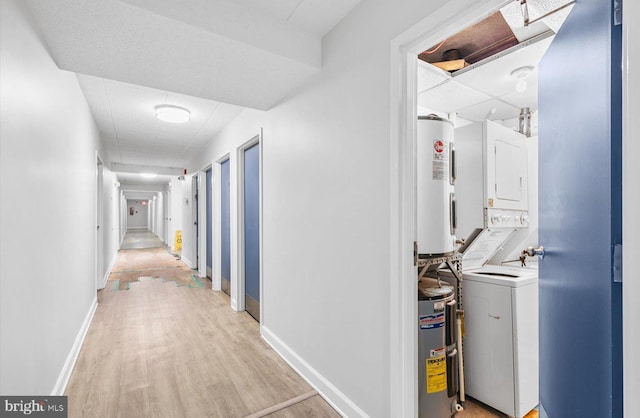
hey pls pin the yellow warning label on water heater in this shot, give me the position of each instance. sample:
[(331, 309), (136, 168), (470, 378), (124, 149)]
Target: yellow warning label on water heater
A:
[(436, 374)]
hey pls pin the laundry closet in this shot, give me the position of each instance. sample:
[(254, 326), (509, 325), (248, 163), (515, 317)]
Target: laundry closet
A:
[(480, 179)]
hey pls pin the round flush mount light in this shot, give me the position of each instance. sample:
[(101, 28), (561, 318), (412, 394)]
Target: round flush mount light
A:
[(172, 114), (521, 74)]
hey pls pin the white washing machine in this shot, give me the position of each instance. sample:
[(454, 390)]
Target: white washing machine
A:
[(501, 329)]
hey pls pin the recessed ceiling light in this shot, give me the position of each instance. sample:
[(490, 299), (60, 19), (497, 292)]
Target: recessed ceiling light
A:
[(148, 175), (521, 74), (172, 114)]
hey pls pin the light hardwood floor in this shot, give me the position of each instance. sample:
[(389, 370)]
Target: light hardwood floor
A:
[(158, 350)]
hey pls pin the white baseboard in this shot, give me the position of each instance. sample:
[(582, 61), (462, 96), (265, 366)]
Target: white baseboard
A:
[(338, 400), (70, 362), (187, 261), (108, 272)]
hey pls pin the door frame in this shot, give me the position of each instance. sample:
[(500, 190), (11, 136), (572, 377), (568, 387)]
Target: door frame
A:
[(240, 277), (198, 208), (99, 220), (445, 21), (206, 193), (217, 224)]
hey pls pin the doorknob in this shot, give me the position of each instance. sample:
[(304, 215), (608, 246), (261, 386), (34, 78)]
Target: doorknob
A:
[(532, 252)]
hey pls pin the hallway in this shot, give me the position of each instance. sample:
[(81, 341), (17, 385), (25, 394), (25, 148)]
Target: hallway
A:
[(328, 90), (158, 350), (140, 238)]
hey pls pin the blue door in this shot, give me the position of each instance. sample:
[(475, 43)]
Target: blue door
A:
[(252, 230), (580, 216), (225, 203), (209, 223)]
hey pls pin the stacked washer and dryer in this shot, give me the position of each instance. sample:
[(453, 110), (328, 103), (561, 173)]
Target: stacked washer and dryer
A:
[(501, 302), (489, 205)]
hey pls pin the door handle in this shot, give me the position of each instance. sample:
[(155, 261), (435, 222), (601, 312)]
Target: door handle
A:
[(532, 252)]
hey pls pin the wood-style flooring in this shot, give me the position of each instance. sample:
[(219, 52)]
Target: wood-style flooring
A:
[(157, 350)]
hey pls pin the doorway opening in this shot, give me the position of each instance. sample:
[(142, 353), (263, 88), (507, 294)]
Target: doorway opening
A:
[(250, 226), (209, 221), (195, 188), (445, 24), (225, 226), (99, 243)]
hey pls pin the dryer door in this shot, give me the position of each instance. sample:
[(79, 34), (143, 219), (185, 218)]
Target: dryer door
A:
[(506, 170)]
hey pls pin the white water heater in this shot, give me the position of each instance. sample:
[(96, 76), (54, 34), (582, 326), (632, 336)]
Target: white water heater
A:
[(436, 177)]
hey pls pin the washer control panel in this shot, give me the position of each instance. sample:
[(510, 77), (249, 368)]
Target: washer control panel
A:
[(503, 218)]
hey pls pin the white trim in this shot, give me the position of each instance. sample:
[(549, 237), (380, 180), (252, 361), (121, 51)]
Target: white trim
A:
[(205, 225), (187, 261), (337, 399), (70, 362), (202, 224), (240, 277), (630, 203), (108, 272), (217, 223), (445, 21), (261, 142), (98, 218), (234, 237)]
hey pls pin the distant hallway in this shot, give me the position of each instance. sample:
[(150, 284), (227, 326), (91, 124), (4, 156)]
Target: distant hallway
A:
[(140, 238)]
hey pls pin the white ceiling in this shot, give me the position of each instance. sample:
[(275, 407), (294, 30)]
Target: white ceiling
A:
[(249, 53), (213, 57), (475, 91), (137, 179), (132, 134)]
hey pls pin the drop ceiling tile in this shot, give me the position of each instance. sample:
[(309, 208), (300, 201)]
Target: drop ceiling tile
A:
[(493, 76), (481, 111), (528, 98), (430, 76), (450, 96)]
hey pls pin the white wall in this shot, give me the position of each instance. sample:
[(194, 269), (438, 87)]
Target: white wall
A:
[(175, 209), (326, 203), (159, 211), (110, 221), (140, 217), (47, 210), (186, 220), (123, 217)]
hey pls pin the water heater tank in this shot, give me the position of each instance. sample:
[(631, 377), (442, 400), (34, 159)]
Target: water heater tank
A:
[(435, 184)]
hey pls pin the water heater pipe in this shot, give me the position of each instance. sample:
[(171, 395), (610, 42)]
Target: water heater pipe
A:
[(460, 360)]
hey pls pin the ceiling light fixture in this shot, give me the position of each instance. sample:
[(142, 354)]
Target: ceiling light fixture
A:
[(521, 74), (172, 114), (148, 175)]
